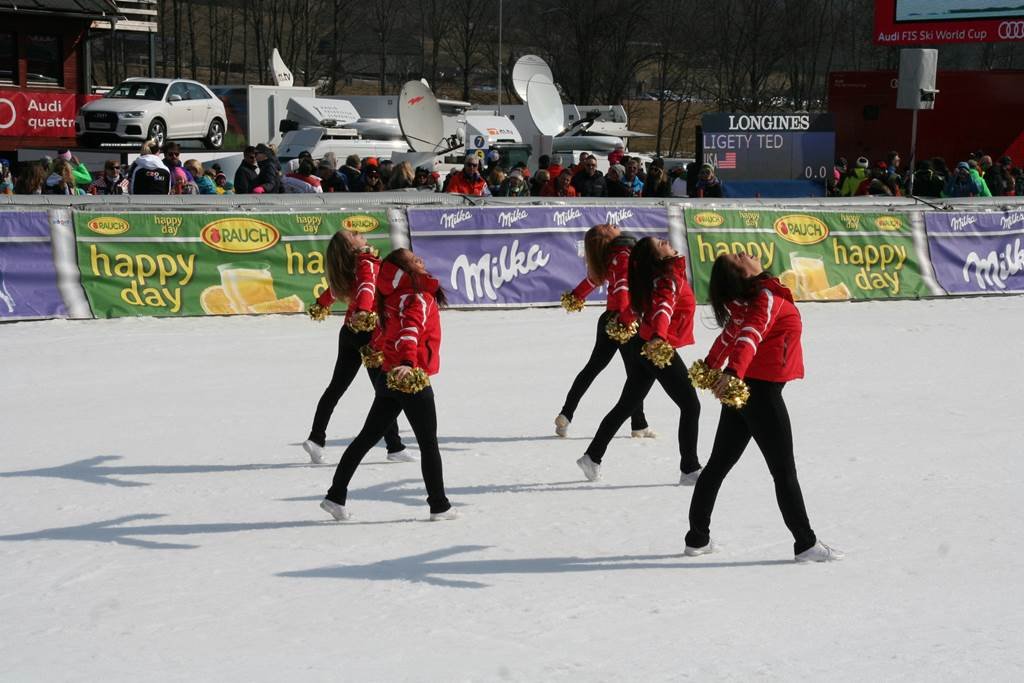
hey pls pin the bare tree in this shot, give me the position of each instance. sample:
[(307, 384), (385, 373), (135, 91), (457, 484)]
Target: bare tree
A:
[(383, 16), (463, 38)]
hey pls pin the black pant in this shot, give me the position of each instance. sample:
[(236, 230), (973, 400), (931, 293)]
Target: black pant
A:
[(640, 377), (604, 349), (345, 369), (766, 419), (419, 409)]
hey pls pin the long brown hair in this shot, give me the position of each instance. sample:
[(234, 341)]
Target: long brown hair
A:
[(30, 179), (728, 284), (645, 266), (341, 266), (595, 250)]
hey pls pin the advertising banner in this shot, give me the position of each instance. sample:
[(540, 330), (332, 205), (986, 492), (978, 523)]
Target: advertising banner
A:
[(932, 22), (820, 256), (516, 255), (180, 263), (977, 253), (28, 278), (37, 114)]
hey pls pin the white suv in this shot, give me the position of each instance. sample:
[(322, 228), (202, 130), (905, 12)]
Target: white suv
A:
[(154, 108)]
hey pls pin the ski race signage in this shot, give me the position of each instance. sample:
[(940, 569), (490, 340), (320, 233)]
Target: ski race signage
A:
[(977, 253), (173, 264), (820, 256), (28, 278), (516, 255)]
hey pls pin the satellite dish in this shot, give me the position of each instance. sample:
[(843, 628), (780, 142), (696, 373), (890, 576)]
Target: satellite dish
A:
[(419, 117), (545, 105), (527, 67), (282, 76)]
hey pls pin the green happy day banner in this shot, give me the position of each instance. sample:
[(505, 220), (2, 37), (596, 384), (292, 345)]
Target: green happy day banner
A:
[(176, 264), (819, 255)]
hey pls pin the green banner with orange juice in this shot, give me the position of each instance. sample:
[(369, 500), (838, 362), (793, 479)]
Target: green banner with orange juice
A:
[(819, 255), (182, 263)]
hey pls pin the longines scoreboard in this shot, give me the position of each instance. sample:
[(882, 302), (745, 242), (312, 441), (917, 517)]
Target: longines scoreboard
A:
[(765, 147)]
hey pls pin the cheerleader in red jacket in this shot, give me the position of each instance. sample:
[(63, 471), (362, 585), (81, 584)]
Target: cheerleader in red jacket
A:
[(664, 301), (607, 256), (352, 268), (760, 344), (410, 338)]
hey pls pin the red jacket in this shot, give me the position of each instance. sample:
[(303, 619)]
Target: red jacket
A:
[(460, 184), (410, 331), (367, 267), (762, 338), (672, 306), (618, 283)]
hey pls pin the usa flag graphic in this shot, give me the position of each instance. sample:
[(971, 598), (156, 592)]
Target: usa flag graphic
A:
[(727, 161)]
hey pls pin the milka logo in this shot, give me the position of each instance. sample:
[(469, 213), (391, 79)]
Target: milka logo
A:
[(562, 218), (486, 276), (961, 222), (614, 217), (450, 220), (1011, 219), (507, 219), (996, 268)]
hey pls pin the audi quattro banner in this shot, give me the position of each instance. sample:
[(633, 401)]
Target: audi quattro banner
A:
[(820, 256), (175, 264), (28, 278), (35, 114), (516, 255), (932, 22), (977, 253)]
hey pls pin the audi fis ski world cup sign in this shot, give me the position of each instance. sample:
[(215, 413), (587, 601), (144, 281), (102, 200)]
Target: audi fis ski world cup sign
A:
[(931, 22), (769, 146)]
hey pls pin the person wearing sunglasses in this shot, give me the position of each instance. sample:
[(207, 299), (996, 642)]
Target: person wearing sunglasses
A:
[(469, 181)]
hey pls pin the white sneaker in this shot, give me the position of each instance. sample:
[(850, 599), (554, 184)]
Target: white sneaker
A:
[(403, 456), (591, 470), (689, 479), (315, 450), (819, 552), (450, 513), (703, 550), (561, 425), (645, 433), (334, 510)]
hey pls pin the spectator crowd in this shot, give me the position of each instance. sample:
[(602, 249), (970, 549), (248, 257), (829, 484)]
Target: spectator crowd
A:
[(161, 171)]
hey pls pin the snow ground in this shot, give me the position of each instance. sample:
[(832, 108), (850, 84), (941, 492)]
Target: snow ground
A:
[(160, 520)]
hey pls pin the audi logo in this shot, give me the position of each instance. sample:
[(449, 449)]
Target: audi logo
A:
[(1011, 30)]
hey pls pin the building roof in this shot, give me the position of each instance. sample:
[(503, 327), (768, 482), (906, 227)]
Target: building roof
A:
[(85, 9)]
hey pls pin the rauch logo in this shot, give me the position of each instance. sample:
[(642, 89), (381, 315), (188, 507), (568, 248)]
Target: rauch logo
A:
[(239, 235), (889, 223), (360, 223), (109, 225), (800, 229), (707, 219)]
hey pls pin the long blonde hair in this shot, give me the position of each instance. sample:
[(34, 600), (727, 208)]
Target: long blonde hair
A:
[(341, 266)]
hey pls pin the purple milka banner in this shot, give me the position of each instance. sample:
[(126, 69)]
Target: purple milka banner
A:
[(516, 255), (28, 278), (977, 253)]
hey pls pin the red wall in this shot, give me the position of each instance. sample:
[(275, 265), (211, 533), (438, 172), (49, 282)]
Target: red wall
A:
[(973, 110)]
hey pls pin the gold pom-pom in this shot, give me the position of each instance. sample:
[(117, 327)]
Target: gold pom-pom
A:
[(571, 303), (363, 321), (659, 352), (702, 376), (372, 358), (318, 312), (412, 382), (620, 332), (736, 393)]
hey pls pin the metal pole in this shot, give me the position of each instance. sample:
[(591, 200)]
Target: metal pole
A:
[(152, 54), (913, 153), (500, 3)]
